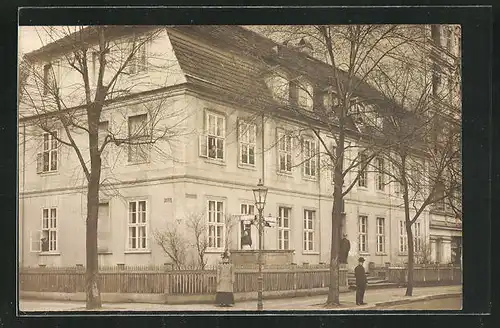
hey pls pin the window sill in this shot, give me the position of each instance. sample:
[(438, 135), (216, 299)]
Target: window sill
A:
[(381, 254), (215, 251), (138, 251), (49, 254), (402, 254), (309, 178), (48, 173), (362, 188), (364, 254), (104, 253), (247, 166), (285, 174), (381, 192), (220, 162), (310, 252)]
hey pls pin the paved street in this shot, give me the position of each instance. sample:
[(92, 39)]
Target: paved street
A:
[(372, 297), (452, 303)]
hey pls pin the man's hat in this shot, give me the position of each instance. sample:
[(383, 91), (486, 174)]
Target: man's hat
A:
[(361, 259)]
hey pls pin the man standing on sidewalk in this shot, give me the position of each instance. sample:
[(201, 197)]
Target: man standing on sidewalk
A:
[(359, 273)]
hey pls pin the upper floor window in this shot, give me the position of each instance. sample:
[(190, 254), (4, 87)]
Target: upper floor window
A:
[(216, 224), (448, 32), (380, 235), (139, 60), (417, 237), (48, 78), (403, 237), (380, 174), (309, 152), (284, 151), (305, 95), (103, 132), (436, 34), (47, 158), (212, 144), (247, 143), (279, 86), (137, 225), (139, 139), (362, 171)]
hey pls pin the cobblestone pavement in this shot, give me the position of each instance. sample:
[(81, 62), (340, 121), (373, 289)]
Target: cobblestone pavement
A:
[(374, 298)]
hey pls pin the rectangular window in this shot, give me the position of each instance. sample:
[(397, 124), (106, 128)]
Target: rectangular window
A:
[(47, 78), (49, 230), (139, 61), (417, 237), (247, 209), (380, 235), (403, 238), (247, 138), (310, 161), (212, 144), (363, 173), (103, 132), (436, 34), (305, 95), (293, 92), (285, 152), (139, 139), (380, 174), (216, 224), (103, 228), (283, 224), (309, 221), (449, 38), (47, 158), (137, 225), (363, 234)]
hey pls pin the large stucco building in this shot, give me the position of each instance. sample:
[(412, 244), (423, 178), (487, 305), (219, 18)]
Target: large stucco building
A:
[(233, 134)]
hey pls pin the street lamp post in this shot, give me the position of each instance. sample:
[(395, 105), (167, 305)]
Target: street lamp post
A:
[(260, 194)]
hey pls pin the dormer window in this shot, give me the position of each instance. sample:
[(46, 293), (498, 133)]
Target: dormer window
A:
[(279, 87), (301, 93), (329, 99)]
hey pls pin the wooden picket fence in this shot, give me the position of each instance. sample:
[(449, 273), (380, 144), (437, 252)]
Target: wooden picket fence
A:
[(426, 274), (157, 280)]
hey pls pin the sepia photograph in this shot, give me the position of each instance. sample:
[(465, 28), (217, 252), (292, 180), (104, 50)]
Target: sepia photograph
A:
[(240, 168)]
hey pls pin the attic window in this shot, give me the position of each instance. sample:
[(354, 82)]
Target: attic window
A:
[(279, 87), (301, 93)]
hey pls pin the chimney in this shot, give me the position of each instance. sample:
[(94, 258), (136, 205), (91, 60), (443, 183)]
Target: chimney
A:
[(305, 47)]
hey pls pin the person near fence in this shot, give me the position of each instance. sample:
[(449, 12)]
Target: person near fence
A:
[(345, 247), (359, 273), (225, 282)]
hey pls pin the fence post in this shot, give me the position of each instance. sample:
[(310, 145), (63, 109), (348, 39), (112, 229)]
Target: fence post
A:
[(166, 282)]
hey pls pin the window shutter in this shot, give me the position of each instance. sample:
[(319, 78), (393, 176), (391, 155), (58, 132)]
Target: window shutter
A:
[(35, 241), (203, 145)]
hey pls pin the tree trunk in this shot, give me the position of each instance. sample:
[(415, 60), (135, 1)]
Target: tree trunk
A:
[(409, 235), (92, 274), (333, 290)]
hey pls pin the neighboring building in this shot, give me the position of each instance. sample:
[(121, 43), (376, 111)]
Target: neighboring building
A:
[(238, 133)]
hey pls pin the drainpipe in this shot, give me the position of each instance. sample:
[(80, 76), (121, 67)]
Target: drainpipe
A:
[(22, 198)]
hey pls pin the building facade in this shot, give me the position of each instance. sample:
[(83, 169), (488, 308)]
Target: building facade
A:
[(232, 136)]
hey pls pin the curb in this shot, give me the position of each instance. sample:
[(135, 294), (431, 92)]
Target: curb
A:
[(414, 299)]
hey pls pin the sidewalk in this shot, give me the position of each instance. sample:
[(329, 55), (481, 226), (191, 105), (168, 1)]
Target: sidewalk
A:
[(374, 298)]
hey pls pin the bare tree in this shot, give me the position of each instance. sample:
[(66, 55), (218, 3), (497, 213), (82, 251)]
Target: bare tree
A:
[(424, 157), (173, 243), (349, 103), (71, 81), (197, 227)]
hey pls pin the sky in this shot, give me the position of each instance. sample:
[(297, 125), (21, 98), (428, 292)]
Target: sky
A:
[(29, 38)]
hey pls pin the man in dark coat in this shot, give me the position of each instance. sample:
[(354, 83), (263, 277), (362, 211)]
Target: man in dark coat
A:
[(359, 273), (345, 247)]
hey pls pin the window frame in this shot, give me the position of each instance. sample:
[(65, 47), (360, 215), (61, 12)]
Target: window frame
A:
[(417, 237), (52, 148), (137, 225), (403, 238), (309, 233), (146, 127), (285, 139), (246, 131), (363, 234), (216, 224), (205, 139), (281, 228), (310, 158), (362, 172), (53, 244), (380, 177), (380, 235)]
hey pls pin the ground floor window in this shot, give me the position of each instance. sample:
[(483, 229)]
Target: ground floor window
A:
[(137, 225)]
